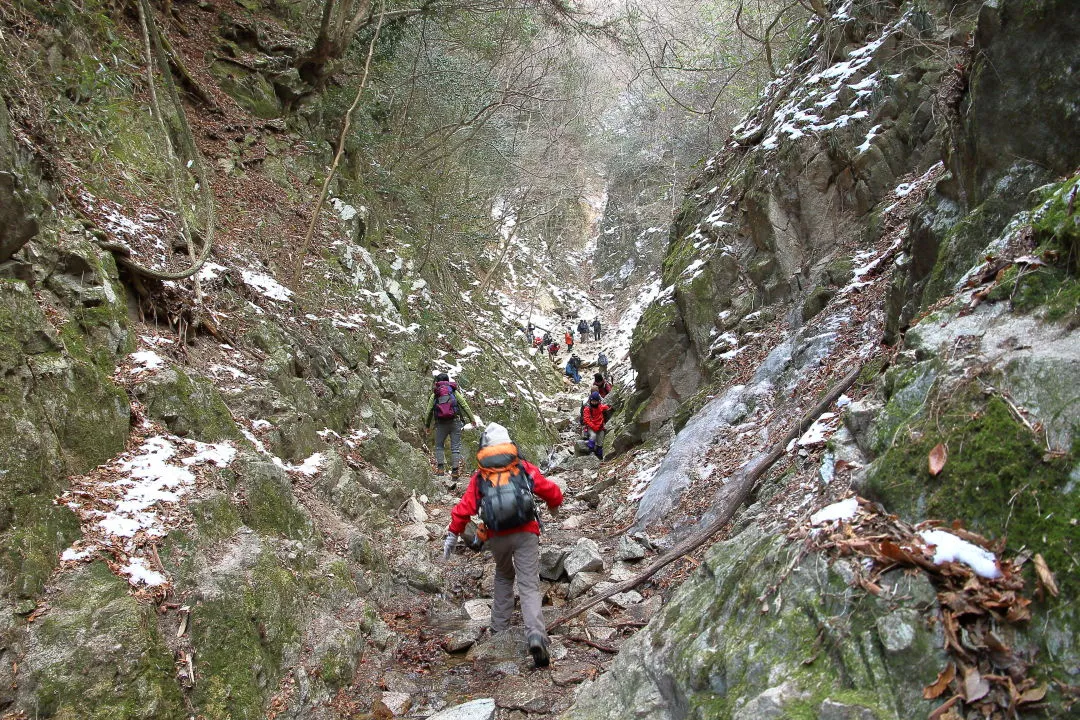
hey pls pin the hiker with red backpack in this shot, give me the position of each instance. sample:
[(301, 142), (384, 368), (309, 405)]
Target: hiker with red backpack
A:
[(601, 385), (594, 419), (501, 491), (446, 408), (553, 350)]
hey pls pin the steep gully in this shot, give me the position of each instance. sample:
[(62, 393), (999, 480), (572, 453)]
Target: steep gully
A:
[(446, 654)]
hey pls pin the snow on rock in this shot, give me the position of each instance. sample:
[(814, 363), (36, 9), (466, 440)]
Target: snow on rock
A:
[(73, 555), (210, 271), (820, 431), (138, 573), (950, 548), (266, 285), (843, 510), (146, 360), (133, 497)]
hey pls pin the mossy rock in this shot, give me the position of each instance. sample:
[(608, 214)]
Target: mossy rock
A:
[(31, 544), (97, 654), (998, 480), (244, 634), (251, 89), (712, 652), (269, 503), (189, 406)]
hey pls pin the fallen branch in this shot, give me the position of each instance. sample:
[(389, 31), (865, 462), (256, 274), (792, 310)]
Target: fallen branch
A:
[(741, 486), (592, 643)]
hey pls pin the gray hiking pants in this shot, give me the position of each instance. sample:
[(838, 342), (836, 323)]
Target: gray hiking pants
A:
[(517, 555), (451, 428)]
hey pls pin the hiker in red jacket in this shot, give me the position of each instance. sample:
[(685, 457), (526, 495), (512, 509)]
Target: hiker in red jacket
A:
[(501, 491), (594, 417), (602, 386)]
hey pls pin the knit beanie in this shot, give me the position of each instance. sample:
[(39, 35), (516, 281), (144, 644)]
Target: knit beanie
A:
[(494, 434), (442, 377), (595, 396)]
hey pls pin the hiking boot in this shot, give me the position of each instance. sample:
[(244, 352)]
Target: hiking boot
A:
[(455, 473), (440, 470), (538, 648)]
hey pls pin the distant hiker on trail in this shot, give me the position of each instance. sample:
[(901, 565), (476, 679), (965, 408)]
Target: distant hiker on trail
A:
[(446, 407), (569, 338), (583, 329), (601, 362), (594, 417), (596, 328), (572, 370), (602, 386), (553, 350), (529, 330), (547, 339), (502, 490)]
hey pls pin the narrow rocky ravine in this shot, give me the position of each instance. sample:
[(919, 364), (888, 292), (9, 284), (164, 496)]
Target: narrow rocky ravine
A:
[(446, 654)]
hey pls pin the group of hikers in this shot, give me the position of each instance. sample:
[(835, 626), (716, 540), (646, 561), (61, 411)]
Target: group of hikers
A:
[(547, 343), (503, 491)]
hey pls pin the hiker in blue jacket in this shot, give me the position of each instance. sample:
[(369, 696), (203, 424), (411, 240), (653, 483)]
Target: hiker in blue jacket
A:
[(446, 407), (572, 369)]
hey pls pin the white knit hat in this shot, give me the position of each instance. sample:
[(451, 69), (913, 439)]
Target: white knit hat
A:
[(494, 434)]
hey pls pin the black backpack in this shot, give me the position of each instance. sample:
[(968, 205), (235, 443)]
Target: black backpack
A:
[(505, 487)]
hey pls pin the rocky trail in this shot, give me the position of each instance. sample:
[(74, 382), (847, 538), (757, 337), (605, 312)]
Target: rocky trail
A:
[(445, 655)]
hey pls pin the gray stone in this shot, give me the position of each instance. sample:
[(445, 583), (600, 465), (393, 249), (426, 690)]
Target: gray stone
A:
[(629, 550), (482, 709), (626, 599), (551, 563), (898, 630), (478, 610), (396, 702), (582, 583), (770, 704), (832, 710), (414, 511), (584, 557), (522, 693), (507, 645), (463, 639), (17, 223)]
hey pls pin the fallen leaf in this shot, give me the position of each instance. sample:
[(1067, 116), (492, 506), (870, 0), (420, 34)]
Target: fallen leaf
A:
[(975, 685), (937, 687), (1045, 577), (937, 459), (1035, 694)]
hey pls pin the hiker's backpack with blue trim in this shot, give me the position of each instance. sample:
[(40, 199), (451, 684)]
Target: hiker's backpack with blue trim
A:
[(505, 487), (446, 406)]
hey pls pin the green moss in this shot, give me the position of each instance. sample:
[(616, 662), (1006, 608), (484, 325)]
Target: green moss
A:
[(270, 505), (216, 518), (102, 657), (242, 636), (189, 406), (996, 481), (33, 543)]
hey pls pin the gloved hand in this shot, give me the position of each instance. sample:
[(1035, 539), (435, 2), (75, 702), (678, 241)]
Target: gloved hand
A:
[(448, 545), (553, 511)]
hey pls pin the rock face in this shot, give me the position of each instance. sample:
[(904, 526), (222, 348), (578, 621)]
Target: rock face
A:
[(753, 251), (18, 223), (711, 655), (749, 246)]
